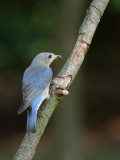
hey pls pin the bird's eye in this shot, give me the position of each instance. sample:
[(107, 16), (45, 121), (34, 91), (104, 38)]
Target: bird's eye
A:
[(50, 56)]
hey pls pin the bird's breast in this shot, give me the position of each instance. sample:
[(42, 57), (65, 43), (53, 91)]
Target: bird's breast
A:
[(46, 92)]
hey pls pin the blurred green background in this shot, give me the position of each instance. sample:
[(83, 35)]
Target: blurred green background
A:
[(86, 124)]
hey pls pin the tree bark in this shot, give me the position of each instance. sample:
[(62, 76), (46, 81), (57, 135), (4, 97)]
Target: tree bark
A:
[(64, 79)]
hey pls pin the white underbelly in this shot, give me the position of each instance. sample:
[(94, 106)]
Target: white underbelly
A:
[(45, 94)]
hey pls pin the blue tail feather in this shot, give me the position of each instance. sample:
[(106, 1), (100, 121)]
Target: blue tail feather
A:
[(31, 120), (32, 115)]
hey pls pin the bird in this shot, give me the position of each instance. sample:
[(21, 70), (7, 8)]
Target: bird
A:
[(35, 87)]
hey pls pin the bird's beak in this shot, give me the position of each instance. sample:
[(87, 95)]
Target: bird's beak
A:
[(59, 57)]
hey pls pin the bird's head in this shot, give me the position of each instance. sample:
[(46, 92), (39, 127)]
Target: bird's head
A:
[(45, 58)]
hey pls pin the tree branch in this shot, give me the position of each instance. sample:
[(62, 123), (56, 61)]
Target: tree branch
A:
[(64, 79)]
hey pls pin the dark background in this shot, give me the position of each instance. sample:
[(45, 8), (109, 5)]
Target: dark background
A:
[(86, 124)]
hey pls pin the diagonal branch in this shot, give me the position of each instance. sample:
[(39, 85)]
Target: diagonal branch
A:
[(64, 79)]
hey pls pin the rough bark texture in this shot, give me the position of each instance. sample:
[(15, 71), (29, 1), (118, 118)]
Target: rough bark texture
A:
[(27, 148)]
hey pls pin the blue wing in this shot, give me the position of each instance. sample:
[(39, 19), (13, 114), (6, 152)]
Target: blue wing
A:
[(35, 80)]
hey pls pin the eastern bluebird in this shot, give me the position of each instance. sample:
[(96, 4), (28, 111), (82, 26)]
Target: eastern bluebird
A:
[(35, 87)]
